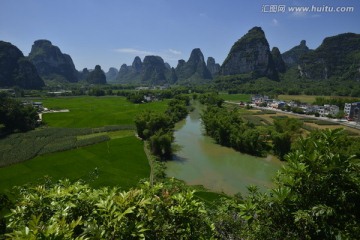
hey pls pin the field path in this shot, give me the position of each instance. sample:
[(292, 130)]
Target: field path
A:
[(148, 155)]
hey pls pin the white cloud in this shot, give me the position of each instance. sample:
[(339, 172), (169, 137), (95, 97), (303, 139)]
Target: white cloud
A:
[(175, 52), (275, 22), (304, 14), (202, 15), (299, 14), (134, 51)]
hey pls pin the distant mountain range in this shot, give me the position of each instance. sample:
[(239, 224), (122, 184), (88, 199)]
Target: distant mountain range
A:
[(337, 57), (155, 71)]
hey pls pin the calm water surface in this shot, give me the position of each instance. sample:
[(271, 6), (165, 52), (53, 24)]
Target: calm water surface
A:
[(199, 161)]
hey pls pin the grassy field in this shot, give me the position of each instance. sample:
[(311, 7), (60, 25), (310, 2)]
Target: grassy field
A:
[(95, 111), (19, 147), (301, 98), (236, 97), (308, 98), (310, 122), (120, 162)]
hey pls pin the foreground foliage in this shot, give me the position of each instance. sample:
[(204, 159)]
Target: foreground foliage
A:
[(316, 196), (75, 211)]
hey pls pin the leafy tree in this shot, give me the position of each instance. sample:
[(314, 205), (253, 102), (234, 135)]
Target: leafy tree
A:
[(5, 204), (316, 194), (97, 92), (157, 127), (292, 125), (184, 98), (340, 114), (286, 130), (281, 143), (149, 122), (160, 144), (75, 211), (228, 129), (17, 116), (211, 99), (136, 97), (177, 110)]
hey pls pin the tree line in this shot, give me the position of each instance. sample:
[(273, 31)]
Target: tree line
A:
[(289, 84), (228, 128), (157, 128)]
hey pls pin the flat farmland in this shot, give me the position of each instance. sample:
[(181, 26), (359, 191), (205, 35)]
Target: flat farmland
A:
[(119, 162), (88, 111), (235, 97), (302, 98)]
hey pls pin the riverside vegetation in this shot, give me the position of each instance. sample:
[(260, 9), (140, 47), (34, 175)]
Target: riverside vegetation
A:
[(229, 128), (320, 182)]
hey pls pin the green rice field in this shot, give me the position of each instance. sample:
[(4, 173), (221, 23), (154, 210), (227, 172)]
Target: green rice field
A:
[(85, 112), (118, 162), (236, 97)]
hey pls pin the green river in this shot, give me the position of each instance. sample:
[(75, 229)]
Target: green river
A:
[(200, 161)]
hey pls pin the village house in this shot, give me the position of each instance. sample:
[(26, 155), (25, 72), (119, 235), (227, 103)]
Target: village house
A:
[(278, 104), (258, 99), (352, 111), (328, 110)]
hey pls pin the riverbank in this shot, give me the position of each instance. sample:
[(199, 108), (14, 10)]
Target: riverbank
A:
[(200, 161)]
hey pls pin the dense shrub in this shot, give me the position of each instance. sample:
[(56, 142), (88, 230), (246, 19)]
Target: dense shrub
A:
[(74, 210), (229, 129), (16, 116)]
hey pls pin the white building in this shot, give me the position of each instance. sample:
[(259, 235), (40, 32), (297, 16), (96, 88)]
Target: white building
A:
[(328, 110), (352, 110)]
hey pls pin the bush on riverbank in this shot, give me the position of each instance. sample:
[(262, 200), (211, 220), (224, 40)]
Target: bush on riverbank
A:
[(158, 127), (253, 136)]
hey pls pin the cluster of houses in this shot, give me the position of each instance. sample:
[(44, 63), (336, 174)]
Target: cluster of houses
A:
[(37, 105), (162, 87), (351, 110)]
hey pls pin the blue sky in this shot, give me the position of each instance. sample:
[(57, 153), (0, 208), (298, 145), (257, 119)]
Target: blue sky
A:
[(113, 32)]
